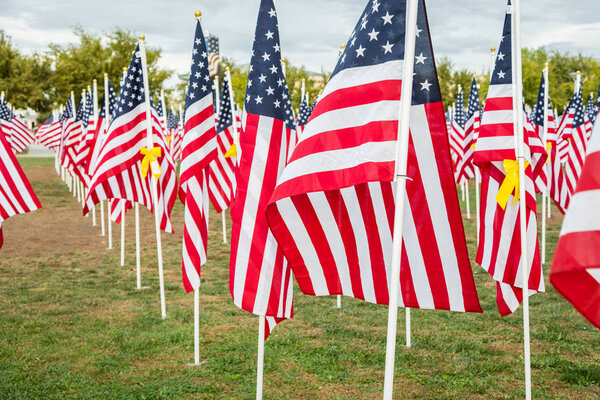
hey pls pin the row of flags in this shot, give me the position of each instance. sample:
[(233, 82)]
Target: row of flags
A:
[(313, 196)]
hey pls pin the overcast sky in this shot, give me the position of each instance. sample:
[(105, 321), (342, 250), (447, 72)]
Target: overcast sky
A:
[(311, 30)]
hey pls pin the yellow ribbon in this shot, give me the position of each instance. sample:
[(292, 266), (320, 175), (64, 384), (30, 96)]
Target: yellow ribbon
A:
[(549, 146), (510, 183), (168, 139), (232, 152), (150, 158), (473, 146)]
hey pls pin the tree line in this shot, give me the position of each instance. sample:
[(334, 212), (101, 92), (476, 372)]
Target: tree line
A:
[(43, 81)]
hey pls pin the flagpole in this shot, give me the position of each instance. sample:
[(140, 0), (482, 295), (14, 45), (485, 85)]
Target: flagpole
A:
[(218, 110), (154, 189), (400, 171), (260, 362), (107, 117), (477, 180), (138, 273), (197, 326), (122, 233), (545, 194), (518, 126), (95, 85), (233, 111)]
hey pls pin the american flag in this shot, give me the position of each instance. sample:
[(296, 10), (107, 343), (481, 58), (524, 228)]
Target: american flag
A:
[(177, 138), (591, 108), (259, 277), (457, 133), (303, 115), (580, 133), (48, 134), (221, 179), (18, 134), (118, 170), (199, 148), (575, 273), (565, 128), (71, 133), (466, 170), (84, 153), (333, 209), (499, 250), (101, 126), (214, 58), (555, 174), (16, 194)]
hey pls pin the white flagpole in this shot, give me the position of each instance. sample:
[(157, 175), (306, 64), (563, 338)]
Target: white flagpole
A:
[(467, 198), (138, 272), (401, 170), (122, 233), (109, 223), (197, 326), (154, 185), (260, 362), (217, 95), (107, 118), (95, 105), (518, 126), (477, 182), (546, 192)]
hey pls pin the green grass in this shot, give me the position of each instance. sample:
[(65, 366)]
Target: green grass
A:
[(73, 326)]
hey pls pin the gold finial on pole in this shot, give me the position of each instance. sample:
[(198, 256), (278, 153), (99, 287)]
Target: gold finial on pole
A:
[(493, 49), (105, 75), (94, 81), (283, 60), (227, 69), (198, 13), (142, 38), (124, 69), (546, 64), (343, 46)]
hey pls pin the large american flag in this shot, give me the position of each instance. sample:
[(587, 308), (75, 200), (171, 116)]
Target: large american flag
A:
[(465, 169), (16, 194), (575, 271), (580, 133), (221, 179), (118, 170), (199, 148), (499, 251), (333, 209), (101, 126), (259, 278), (18, 134)]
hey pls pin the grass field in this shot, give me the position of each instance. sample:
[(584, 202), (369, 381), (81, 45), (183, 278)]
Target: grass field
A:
[(73, 326)]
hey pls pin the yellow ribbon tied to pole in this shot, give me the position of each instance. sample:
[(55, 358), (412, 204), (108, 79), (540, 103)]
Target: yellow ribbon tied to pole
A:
[(168, 139), (232, 152), (150, 160), (510, 183)]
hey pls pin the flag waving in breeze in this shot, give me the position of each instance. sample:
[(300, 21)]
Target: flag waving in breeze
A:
[(499, 250), (48, 134), (16, 194), (259, 277), (575, 271), (457, 134), (122, 168), (555, 173), (221, 179), (465, 168), (198, 150), (580, 133), (333, 209)]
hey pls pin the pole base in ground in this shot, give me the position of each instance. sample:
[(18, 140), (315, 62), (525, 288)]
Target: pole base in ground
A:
[(201, 363), (142, 288)]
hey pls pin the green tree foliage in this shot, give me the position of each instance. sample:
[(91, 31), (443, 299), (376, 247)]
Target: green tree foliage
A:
[(26, 80), (76, 65)]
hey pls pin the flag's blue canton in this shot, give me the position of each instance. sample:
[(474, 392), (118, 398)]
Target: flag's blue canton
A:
[(473, 100), (577, 104), (225, 114), (459, 113), (267, 92), (199, 84), (80, 110), (159, 108), (591, 107), (212, 44), (132, 91), (598, 98), (171, 121), (67, 112), (89, 108), (503, 68), (379, 37), (304, 114), (5, 112), (50, 119), (112, 101), (537, 115)]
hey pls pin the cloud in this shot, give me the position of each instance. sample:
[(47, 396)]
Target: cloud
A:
[(311, 30)]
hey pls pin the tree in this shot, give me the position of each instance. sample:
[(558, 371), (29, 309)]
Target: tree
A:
[(76, 65), (26, 80)]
